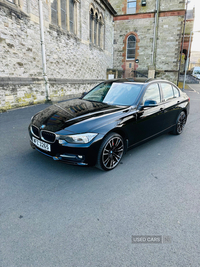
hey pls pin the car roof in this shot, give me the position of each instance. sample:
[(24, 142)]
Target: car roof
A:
[(135, 79)]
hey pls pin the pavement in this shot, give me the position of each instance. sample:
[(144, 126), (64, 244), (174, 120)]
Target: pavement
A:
[(57, 215), (194, 87)]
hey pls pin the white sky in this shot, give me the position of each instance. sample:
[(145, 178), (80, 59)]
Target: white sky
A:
[(196, 38)]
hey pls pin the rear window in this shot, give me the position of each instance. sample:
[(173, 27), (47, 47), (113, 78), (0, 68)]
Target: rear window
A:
[(176, 92), (167, 91)]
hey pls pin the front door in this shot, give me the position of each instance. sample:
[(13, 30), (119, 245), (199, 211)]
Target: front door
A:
[(150, 119), (129, 69)]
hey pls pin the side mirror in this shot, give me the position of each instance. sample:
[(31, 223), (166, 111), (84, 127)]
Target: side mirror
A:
[(83, 94), (150, 103)]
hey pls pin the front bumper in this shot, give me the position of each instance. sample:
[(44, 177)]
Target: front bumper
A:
[(74, 154)]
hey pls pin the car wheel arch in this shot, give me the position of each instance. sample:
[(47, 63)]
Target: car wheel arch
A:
[(111, 151), (175, 130), (123, 135)]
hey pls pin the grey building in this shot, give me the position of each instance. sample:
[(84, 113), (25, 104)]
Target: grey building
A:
[(85, 40)]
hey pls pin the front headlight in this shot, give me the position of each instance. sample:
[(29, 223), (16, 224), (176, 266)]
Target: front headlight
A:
[(77, 138)]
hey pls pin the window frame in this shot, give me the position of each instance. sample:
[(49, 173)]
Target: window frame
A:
[(163, 99), (174, 88), (99, 31), (71, 5), (68, 14), (128, 9), (91, 24), (96, 28), (160, 93), (56, 11), (65, 12), (127, 42)]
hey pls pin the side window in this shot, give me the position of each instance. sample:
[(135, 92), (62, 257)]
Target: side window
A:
[(152, 93), (167, 91), (176, 92)]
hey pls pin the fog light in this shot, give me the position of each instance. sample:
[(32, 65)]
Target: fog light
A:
[(61, 142), (80, 157)]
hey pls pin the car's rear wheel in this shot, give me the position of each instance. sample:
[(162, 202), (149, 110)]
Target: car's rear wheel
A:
[(110, 152), (180, 123)]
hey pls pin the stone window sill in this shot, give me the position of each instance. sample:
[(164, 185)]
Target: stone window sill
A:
[(62, 31), (92, 45), (14, 8)]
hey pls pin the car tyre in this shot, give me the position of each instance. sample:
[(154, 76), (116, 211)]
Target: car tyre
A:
[(111, 152), (180, 123)]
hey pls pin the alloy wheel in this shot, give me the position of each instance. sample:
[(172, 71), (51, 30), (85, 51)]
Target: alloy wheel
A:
[(181, 122), (112, 152)]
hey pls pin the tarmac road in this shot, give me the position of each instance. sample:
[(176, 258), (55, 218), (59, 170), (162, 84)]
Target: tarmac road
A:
[(53, 214)]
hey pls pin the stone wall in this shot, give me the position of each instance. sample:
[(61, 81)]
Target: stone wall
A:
[(15, 92), (73, 64)]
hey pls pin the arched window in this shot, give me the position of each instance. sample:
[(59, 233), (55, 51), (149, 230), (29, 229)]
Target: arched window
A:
[(63, 7), (131, 44), (71, 15), (91, 24), (99, 32), (95, 28), (96, 31), (64, 13), (54, 12)]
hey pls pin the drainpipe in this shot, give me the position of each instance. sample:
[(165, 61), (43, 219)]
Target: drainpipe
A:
[(187, 61), (113, 47), (183, 36), (155, 33), (43, 51)]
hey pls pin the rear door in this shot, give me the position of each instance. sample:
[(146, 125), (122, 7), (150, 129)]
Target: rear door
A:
[(171, 100)]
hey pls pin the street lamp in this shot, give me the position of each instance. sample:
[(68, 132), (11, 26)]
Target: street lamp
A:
[(187, 61)]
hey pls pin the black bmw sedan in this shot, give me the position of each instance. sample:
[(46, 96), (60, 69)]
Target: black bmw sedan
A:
[(98, 128)]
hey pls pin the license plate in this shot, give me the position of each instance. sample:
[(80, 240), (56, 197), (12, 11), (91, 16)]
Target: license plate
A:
[(41, 144)]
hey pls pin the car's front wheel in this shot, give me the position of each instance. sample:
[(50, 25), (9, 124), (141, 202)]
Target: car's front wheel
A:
[(180, 124), (110, 152)]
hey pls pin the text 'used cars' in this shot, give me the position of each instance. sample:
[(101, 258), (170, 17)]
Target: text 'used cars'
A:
[(98, 128)]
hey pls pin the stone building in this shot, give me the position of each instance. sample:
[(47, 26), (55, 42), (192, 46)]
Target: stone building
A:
[(78, 42), (148, 31), (84, 40)]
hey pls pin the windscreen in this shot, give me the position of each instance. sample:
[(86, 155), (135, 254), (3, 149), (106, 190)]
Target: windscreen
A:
[(197, 71), (113, 93)]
